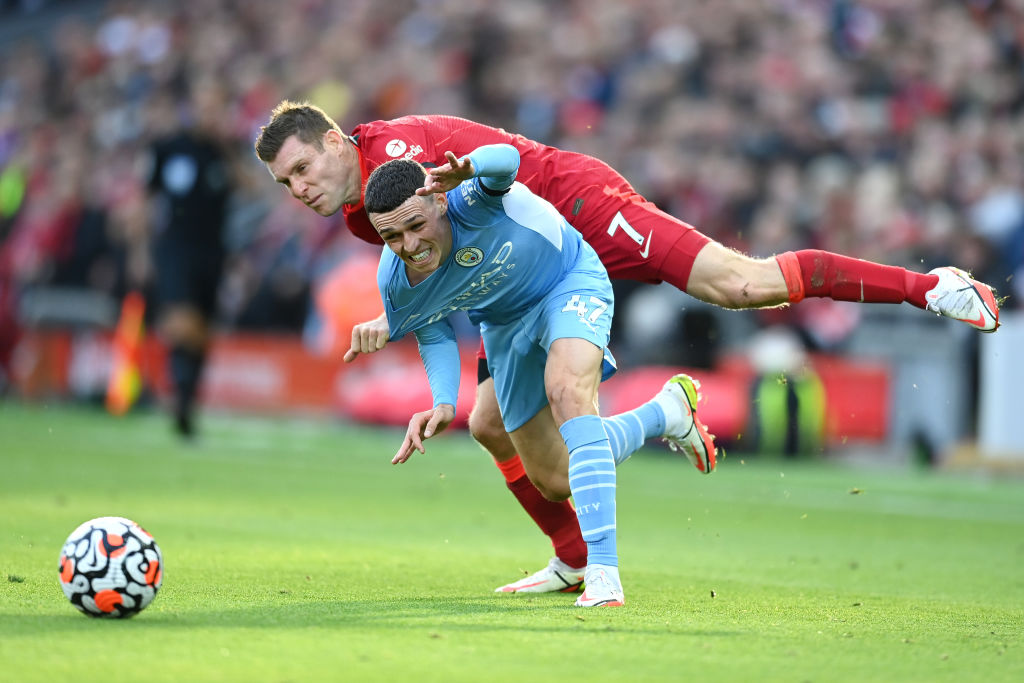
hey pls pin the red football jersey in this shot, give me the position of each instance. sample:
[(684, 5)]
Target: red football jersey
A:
[(616, 221)]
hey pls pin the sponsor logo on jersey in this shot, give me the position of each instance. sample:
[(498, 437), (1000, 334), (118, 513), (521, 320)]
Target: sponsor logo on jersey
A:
[(484, 283), (395, 148), (399, 149), (469, 257)]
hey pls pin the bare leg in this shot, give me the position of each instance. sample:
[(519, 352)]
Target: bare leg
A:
[(556, 518), (727, 278)]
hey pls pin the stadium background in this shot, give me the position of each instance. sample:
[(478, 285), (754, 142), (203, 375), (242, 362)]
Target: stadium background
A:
[(891, 131)]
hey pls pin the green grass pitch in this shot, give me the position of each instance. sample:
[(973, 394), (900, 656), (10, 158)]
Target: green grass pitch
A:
[(294, 551)]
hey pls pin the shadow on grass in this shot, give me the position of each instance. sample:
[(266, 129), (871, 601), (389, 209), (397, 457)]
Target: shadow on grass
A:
[(498, 614)]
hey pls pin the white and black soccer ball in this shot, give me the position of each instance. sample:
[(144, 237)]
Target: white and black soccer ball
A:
[(110, 567)]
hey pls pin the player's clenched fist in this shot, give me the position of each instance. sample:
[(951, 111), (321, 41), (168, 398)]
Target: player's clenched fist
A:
[(368, 337)]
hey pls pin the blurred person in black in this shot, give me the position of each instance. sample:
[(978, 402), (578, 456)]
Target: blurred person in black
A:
[(189, 182)]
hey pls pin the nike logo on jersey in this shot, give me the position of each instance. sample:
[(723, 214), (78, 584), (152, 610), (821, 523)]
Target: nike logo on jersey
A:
[(619, 221), (647, 245)]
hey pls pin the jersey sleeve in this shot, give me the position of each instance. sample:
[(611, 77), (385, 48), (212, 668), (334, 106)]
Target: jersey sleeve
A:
[(437, 343), (496, 166), (440, 353), (409, 137), (385, 269)]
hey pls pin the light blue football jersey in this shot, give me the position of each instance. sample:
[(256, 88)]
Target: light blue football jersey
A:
[(510, 252)]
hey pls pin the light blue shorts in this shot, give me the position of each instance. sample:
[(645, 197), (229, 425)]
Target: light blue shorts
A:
[(580, 307)]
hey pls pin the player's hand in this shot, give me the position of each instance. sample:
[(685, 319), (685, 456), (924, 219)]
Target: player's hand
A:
[(447, 176), (368, 337), (422, 426)]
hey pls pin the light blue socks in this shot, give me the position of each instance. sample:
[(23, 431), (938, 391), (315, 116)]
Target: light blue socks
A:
[(592, 482)]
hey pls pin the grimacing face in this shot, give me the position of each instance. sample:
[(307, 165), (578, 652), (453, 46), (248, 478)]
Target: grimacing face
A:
[(418, 232), (322, 180)]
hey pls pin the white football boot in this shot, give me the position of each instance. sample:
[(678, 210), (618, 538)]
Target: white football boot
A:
[(962, 298), (683, 431), (603, 587), (557, 576)]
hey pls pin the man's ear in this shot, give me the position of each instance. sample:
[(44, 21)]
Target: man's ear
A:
[(442, 203), (332, 140)]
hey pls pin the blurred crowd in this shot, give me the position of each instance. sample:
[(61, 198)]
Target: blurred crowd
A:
[(890, 130)]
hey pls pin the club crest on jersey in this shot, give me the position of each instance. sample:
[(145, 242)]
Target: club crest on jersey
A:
[(469, 257)]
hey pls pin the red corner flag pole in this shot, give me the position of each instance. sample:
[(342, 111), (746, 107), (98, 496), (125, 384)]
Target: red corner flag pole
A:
[(125, 383)]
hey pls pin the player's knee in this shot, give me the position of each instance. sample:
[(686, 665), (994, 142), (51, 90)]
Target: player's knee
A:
[(487, 429), (569, 400)]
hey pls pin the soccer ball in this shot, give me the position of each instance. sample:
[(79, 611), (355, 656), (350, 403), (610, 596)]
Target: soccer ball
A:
[(110, 567)]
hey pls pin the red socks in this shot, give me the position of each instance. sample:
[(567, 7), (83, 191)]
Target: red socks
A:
[(556, 520), (815, 273)]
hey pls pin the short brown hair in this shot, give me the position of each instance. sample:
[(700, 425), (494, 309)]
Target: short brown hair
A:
[(306, 121)]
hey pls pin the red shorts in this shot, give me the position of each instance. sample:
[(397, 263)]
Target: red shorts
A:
[(634, 239), (638, 241)]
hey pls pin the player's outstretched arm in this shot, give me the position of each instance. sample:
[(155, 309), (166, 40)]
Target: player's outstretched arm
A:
[(422, 426), (368, 337), (498, 164), (447, 176)]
